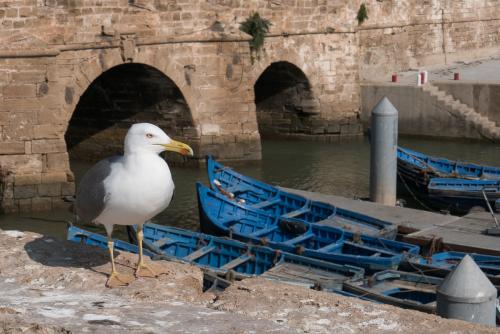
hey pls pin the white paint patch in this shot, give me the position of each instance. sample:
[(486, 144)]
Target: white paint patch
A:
[(9, 280), (134, 323), (344, 314), (380, 323), (90, 317), (56, 313), (376, 313), (211, 313), (342, 328), (325, 309), (14, 234), (161, 313), (323, 322), (176, 303)]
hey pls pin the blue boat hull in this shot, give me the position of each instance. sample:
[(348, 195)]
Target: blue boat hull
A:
[(229, 258), (441, 264), (406, 290), (447, 185), (273, 201), (222, 216)]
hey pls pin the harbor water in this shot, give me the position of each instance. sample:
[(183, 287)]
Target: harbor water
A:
[(340, 168)]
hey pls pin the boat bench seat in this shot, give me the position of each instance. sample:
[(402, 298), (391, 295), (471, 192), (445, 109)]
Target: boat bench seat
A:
[(295, 213), (330, 247), (242, 188), (236, 262), (199, 253), (259, 233), (264, 204), (164, 241), (298, 239)]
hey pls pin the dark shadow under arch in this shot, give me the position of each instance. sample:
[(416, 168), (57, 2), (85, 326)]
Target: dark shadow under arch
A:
[(284, 101), (124, 95)]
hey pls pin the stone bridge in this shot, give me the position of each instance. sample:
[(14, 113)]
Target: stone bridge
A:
[(75, 74)]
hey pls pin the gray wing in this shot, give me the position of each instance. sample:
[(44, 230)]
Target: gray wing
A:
[(91, 194)]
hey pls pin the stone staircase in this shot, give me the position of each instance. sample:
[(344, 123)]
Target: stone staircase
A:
[(482, 124)]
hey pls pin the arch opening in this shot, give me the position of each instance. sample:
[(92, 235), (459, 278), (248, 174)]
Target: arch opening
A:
[(284, 101), (121, 96)]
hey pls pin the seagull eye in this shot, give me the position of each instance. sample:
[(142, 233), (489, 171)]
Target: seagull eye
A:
[(149, 135)]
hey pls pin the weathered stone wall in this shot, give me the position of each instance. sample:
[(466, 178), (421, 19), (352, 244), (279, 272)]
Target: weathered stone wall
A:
[(53, 50), (400, 35)]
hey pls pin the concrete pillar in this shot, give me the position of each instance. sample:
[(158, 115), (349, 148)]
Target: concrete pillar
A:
[(467, 294), (383, 162)]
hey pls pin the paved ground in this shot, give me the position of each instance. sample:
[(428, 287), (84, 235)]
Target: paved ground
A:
[(52, 286), (485, 70)]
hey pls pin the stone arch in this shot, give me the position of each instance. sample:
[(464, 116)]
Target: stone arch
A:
[(117, 95), (285, 102)]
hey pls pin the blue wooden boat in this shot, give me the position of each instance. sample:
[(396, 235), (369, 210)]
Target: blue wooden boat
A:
[(223, 216), (441, 264), (445, 184), (287, 267), (462, 194), (272, 200), (421, 167), (84, 237), (398, 288), (230, 258)]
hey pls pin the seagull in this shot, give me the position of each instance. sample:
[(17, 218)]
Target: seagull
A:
[(130, 189)]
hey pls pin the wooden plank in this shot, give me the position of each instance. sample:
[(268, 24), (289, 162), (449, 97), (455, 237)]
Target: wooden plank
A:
[(199, 253), (236, 262)]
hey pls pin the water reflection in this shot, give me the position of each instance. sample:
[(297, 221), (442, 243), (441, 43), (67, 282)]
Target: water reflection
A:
[(334, 168)]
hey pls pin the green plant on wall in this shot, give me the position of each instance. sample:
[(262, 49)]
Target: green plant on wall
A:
[(362, 14), (257, 27)]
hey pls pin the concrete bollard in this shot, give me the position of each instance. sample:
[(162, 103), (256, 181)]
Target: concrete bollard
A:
[(383, 162), (467, 294)]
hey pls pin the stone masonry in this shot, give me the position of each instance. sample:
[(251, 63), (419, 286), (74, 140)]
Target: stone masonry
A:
[(59, 60)]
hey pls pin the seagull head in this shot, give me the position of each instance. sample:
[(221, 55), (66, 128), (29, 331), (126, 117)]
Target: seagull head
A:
[(145, 137)]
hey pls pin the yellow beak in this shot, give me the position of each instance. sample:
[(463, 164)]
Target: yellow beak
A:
[(177, 146)]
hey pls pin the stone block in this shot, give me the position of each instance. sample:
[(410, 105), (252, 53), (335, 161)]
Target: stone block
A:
[(59, 204), (27, 191), (18, 91), (4, 117), (54, 177), (48, 131), (25, 205), (49, 189), (8, 191), (68, 188), (12, 147), (51, 116), (56, 162), (48, 146), (27, 179), (333, 128), (9, 206), (22, 164), (210, 129), (28, 77), (41, 204)]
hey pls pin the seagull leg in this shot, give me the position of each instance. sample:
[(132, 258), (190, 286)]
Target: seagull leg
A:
[(115, 279), (141, 267)]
